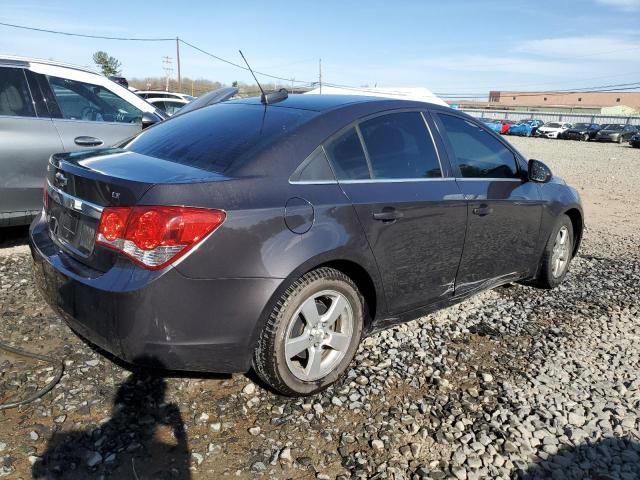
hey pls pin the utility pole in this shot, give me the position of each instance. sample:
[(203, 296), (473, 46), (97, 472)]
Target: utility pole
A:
[(178, 62), (292, 85), (168, 69), (320, 75)]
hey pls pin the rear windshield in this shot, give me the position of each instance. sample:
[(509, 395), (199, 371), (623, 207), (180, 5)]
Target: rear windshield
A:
[(214, 138)]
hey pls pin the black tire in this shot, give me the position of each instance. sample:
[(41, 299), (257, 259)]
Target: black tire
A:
[(546, 278), (585, 137), (269, 360), (619, 140)]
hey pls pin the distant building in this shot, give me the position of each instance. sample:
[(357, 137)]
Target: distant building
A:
[(613, 103)]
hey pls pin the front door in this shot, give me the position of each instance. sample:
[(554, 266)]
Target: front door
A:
[(91, 116), (410, 212), (504, 209)]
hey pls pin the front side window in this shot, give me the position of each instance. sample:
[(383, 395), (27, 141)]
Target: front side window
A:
[(399, 146), (85, 101), (477, 153), (15, 99), (347, 156)]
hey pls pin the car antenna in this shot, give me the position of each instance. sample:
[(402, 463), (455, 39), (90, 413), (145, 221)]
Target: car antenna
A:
[(266, 98)]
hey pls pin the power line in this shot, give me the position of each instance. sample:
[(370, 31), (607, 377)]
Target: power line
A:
[(141, 39), (229, 62), (129, 39)]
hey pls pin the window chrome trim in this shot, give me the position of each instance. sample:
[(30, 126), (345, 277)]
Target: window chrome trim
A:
[(74, 203), (313, 182), (488, 179), (433, 142), (399, 180)]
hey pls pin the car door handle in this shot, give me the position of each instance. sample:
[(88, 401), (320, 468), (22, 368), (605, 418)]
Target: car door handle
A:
[(387, 215), (88, 141), (483, 210)]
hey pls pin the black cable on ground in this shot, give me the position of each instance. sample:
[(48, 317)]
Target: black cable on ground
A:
[(41, 392)]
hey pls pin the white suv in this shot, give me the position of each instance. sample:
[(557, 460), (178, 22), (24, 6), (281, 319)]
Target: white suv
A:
[(48, 107), (147, 94)]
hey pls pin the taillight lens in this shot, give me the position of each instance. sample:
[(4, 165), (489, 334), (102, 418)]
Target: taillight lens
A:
[(156, 236)]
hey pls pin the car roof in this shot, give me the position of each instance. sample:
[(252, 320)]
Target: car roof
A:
[(323, 103), (166, 99), (27, 61)]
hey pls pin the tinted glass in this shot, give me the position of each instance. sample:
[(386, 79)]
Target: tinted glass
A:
[(399, 146), (15, 99), (347, 156), (316, 168), (213, 138), (478, 154), (85, 101)]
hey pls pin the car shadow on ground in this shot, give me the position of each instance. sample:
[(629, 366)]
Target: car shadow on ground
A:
[(14, 236), (144, 438), (607, 459)]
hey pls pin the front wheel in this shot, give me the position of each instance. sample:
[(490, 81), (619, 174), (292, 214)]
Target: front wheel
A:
[(585, 137), (557, 254), (312, 334)]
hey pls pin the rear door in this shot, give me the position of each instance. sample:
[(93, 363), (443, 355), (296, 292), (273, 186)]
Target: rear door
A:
[(504, 208), (90, 116), (27, 139), (408, 206)]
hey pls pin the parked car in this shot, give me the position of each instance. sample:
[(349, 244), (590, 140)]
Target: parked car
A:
[(493, 124), (581, 131), (168, 105), (147, 94), (616, 133), (524, 128), (635, 140), (48, 107), (277, 236), (552, 129), (505, 125), (209, 98), (119, 80)]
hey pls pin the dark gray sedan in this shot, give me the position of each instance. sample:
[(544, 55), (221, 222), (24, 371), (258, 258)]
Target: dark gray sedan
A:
[(276, 236)]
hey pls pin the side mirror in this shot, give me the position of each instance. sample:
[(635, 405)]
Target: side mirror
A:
[(149, 119), (539, 172)]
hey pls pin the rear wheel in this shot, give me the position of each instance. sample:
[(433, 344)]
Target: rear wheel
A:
[(585, 137), (557, 254), (312, 334)]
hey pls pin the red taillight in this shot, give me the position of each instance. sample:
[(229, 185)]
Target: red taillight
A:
[(156, 236)]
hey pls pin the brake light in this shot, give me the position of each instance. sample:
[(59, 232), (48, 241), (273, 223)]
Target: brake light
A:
[(156, 236)]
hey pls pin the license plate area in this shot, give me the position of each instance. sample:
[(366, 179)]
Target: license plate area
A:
[(72, 230)]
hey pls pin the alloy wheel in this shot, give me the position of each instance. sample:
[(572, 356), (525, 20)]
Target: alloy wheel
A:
[(319, 335), (560, 253)]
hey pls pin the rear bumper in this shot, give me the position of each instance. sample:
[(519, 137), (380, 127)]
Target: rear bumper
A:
[(162, 318)]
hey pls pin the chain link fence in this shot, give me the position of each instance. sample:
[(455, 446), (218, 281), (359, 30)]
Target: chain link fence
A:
[(551, 116)]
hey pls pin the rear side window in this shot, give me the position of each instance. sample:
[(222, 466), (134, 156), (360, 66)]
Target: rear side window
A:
[(216, 137), (315, 169), (478, 154), (399, 146), (15, 99), (347, 156)]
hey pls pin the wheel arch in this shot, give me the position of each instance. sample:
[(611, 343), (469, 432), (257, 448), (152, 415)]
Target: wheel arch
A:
[(362, 274), (577, 222)]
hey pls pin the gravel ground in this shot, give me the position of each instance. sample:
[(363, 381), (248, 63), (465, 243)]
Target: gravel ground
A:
[(515, 382)]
